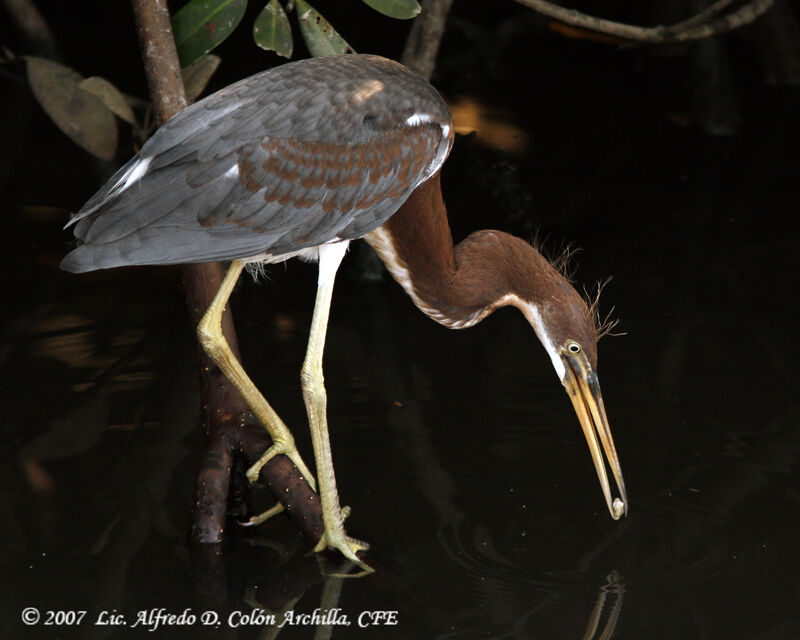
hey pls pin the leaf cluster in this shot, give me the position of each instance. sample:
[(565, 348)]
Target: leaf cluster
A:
[(201, 25), (86, 109)]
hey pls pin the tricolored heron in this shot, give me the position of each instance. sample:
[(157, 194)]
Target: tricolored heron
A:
[(298, 161)]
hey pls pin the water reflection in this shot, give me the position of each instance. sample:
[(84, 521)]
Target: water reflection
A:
[(613, 591)]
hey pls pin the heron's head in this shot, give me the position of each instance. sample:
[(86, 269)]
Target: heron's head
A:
[(568, 329)]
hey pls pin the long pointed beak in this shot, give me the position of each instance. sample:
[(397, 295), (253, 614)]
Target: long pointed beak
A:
[(583, 388)]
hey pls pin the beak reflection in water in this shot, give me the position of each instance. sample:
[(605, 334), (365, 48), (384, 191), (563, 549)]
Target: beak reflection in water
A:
[(583, 387)]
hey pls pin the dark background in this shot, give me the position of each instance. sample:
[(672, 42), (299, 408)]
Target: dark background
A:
[(674, 169)]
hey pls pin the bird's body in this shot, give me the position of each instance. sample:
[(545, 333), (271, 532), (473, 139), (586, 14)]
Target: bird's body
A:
[(300, 160), (265, 168)]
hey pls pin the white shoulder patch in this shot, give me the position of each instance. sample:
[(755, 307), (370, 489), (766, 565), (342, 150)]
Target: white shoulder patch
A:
[(418, 119)]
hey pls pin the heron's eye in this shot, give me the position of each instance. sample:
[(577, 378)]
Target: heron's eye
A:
[(574, 347)]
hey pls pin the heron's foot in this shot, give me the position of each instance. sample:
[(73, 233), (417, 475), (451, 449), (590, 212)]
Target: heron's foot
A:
[(291, 452), (334, 537), (263, 517)]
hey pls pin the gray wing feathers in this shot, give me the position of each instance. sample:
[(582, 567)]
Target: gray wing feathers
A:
[(263, 166)]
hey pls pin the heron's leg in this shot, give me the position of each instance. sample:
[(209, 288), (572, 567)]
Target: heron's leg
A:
[(209, 331), (330, 256)]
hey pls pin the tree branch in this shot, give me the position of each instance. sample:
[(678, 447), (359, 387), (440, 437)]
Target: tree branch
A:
[(685, 30), (422, 43), (702, 16)]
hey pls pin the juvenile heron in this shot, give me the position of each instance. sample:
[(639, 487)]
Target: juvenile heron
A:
[(298, 161)]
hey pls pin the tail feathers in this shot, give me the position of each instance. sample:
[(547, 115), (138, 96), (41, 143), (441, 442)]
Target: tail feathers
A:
[(80, 261)]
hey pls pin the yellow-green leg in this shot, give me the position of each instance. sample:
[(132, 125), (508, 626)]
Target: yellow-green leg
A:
[(330, 256), (209, 331)]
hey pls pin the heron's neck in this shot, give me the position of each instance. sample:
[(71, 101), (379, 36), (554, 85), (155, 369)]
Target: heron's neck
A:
[(456, 286)]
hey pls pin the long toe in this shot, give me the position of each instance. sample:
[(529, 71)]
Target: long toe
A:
[(292, 453), (263, 517), (348, 547), (345, 544)]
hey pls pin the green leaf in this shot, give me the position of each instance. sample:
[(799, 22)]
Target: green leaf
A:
[(320, 37), (272, 31), (110, 96), (200, 25), (79, 114), (196, 75), (400, 9)]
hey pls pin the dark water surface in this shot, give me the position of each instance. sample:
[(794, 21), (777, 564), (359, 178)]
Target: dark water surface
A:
[(458, 451)]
